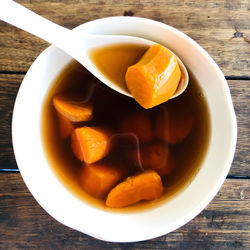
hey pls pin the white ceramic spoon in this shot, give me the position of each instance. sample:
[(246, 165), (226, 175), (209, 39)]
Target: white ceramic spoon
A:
[(74, 44)]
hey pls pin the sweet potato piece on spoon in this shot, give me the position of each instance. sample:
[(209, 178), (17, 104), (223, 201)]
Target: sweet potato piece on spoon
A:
[(155, 78)]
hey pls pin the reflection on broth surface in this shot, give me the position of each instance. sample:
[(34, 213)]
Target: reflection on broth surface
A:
[(171, 138)]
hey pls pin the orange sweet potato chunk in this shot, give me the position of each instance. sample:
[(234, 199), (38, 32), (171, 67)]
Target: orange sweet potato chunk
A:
[(138, 124), (155, 78), (155, 156), (146, 185), (99, 178), (173, 123), (66, 127), (74, 111), (90, 144)]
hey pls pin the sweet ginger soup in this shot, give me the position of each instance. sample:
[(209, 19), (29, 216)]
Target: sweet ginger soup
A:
[(111, 152)]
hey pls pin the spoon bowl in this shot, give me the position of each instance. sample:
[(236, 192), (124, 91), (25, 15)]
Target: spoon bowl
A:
[(95, 41), (74, 44)]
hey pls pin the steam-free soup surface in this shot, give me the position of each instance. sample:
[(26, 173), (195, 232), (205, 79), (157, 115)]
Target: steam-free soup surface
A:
[(112, 110)]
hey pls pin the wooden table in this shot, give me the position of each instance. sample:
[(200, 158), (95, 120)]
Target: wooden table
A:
[(223, 29)]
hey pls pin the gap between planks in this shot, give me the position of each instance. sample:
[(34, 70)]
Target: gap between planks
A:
[(9, 170)]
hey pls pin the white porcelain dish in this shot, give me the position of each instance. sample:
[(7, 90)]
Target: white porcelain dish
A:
[(60, 203)]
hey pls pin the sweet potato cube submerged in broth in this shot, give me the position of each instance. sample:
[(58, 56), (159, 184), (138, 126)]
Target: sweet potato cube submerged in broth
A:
[(74, 111), (66, 127), (98, 179), (173, 123), (146, 185), (155, 156), (90, 144), (138, 124)]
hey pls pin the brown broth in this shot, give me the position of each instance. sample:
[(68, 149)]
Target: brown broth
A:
[(107, 60), (109, 108)]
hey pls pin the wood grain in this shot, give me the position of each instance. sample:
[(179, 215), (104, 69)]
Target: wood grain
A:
[(9, 85), (240, 90), (224, 224), (221, 27)]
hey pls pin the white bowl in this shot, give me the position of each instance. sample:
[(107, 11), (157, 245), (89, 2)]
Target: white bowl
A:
[(126, 227)]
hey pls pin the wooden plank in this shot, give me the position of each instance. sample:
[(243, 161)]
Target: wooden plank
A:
[(224, 224), (221, 27), (9, 85), (240, 90)]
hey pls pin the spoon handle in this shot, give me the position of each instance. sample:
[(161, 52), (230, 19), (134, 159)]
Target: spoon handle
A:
[(23, 18)]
